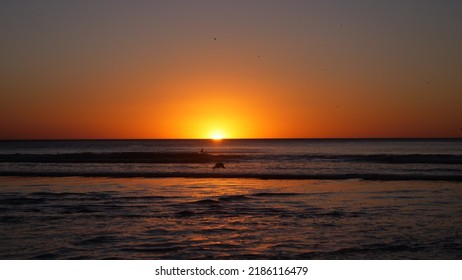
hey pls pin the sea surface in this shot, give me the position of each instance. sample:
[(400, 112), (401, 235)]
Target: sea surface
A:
[(406, 159), (275, 199)]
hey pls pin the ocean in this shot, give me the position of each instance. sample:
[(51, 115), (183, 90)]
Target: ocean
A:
[(274, 199)]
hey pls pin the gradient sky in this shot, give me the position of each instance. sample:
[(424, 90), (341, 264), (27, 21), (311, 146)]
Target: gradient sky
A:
[(245, 69)]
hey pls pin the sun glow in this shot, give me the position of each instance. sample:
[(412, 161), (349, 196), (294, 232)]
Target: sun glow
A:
[(217, 136)]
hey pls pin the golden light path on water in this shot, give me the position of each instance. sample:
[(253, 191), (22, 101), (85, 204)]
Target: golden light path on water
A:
[(177, 218)]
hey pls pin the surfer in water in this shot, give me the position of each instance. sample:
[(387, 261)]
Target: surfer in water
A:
[(219, 165)]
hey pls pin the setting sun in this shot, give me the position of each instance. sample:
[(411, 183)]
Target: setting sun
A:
[(217, 136), (200, 125), (200, 73)]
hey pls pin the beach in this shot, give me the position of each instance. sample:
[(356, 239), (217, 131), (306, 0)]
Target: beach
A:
[(175, 218)]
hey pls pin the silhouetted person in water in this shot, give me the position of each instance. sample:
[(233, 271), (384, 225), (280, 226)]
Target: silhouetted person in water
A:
[(219, 165), (202, 151)]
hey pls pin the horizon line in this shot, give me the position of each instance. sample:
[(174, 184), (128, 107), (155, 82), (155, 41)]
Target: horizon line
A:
[(244, 138)]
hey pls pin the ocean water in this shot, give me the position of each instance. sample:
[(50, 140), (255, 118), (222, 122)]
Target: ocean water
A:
[(405, 159), (276, 199)]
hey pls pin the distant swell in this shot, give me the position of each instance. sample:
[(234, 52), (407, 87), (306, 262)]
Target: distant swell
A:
[(387, 158), (375, 177), (195, 157), (123, 157)]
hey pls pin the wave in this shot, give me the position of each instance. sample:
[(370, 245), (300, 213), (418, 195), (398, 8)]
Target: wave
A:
[(122, 157), (384, 158), (392, 250), (194, 157), (276, 194), (273, 176)]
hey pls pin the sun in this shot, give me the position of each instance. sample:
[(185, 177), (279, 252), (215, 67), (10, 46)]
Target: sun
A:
[(217, 136)]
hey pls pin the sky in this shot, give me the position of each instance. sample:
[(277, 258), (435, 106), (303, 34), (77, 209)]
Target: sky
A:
[(238, 69)]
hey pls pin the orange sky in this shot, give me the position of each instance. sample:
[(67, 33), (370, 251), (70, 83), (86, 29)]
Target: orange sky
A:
[(274, 70)]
